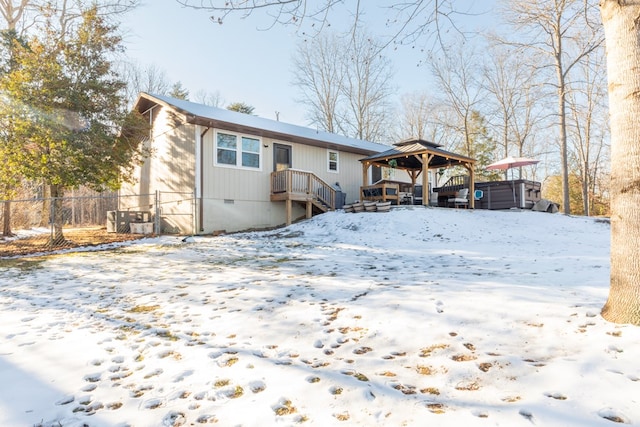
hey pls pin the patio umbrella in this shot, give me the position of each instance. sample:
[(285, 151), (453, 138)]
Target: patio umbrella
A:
[(509, 163)]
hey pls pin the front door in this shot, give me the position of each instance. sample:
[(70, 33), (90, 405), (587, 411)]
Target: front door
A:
[(281, 157)]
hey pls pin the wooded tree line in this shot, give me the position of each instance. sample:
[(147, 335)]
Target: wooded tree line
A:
[(533, 88)]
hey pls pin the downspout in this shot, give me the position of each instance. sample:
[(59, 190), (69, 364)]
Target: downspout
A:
[(200, 205)]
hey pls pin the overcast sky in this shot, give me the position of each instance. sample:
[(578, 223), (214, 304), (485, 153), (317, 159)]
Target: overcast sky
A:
[(240, 60)]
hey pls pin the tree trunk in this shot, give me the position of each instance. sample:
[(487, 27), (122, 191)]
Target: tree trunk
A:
[(562, 116), (622, 34), (6, 220), (57, 218), (45, 213)]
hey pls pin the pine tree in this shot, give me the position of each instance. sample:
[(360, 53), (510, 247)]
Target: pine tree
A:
[(241, 107)]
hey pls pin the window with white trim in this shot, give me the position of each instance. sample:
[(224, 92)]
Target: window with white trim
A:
[(332, 161), (236, 150)]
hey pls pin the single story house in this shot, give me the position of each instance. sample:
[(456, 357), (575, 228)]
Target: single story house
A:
[(242, 171)]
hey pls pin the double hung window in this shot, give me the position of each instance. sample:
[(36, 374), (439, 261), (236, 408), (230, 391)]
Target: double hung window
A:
[(236, 150), (332, 158)]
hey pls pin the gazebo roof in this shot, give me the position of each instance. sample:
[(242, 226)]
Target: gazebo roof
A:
[(408, 155)]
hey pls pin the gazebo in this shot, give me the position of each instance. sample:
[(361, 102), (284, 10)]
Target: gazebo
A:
[(416, 157)]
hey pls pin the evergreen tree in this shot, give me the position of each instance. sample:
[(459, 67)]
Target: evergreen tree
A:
[(9, 158), (482, 145), (241, 107), (70, 109), (179, 92)]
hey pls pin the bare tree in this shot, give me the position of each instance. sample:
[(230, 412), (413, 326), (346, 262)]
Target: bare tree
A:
[(150, 79), (564, 31), (69, 12), (345, 83), (458, 77), (12, 11), (515, 93), (319, 73), (367, 90), (213, 99), (408, 21), (415, 116), (21, 15), (587, 107)]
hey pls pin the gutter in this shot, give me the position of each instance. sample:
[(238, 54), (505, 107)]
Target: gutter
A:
[(200, 205)]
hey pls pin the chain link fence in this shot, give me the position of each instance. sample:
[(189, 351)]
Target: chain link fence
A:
[(39, 224)]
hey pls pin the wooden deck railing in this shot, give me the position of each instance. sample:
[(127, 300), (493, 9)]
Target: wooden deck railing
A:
[(454, 184), (291, 184), (381, 192)]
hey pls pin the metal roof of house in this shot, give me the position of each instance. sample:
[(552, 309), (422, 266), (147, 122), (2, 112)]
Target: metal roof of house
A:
[(205, 115)]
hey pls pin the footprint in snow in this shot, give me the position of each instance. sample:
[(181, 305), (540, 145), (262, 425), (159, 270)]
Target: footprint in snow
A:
[(153, 404), (526, 414), (613, 415), (174, 419), (65, 400), (93, 378), (89, 387), (556, 395)]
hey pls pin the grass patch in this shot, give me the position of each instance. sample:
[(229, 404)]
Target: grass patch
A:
[(436, 408), (235, 393), (427, 351), (143, 308), (463, 357), (344, 416), (425, 370), (285, 408), (231, 361), (23, 264)]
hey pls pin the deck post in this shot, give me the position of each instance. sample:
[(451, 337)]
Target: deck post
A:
[(309, 209), (288, 210)]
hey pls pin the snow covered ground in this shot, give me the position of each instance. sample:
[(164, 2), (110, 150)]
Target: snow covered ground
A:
[(419, 316)]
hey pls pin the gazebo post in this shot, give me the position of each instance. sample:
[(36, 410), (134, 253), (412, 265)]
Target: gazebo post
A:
[(365, 173), (425, 179), (365, 177), (472, 186)]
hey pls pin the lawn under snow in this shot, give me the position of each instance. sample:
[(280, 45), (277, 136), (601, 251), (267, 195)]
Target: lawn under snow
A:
[(415, 317)]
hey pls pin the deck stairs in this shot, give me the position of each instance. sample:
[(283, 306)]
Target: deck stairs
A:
[(304, 188)]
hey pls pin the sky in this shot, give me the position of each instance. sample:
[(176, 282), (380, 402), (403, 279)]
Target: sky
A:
[(417, 316), (244, 62)]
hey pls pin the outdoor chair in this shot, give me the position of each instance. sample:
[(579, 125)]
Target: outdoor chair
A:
[(461, 199), (417, 195)]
